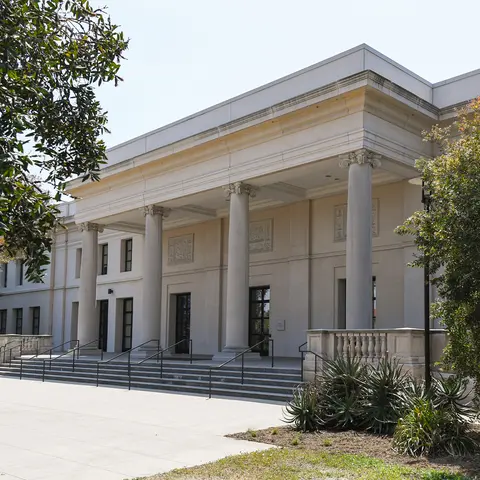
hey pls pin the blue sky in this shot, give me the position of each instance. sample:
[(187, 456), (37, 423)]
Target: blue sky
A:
[(186, 55)]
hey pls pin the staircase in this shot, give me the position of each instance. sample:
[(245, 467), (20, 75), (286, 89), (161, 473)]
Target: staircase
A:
[(260, 383)]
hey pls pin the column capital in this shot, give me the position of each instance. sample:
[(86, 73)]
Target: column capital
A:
[(90, 227), (156, 210), (361, 157), (240, 188)]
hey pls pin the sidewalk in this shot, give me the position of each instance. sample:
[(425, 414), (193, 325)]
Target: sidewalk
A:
[(59, 431)]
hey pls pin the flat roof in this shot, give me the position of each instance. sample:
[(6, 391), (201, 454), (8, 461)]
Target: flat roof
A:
[(443, 94)]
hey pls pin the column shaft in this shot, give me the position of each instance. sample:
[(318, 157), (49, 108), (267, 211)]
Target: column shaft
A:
[(358, 309), (237, 274), (87, 296), (147, 327)]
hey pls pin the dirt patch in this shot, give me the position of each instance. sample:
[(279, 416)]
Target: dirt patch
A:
[(357, 443)]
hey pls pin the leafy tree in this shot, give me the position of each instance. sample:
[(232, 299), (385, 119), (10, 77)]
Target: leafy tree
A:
[(449, 236), (53, 53)]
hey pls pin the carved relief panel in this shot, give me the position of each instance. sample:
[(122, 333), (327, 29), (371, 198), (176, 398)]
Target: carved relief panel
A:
[(340, 221), (180, 250), (261, 236)]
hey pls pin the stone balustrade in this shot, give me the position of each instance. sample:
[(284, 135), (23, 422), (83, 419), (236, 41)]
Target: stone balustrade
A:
[(26, 344), (406, 345)]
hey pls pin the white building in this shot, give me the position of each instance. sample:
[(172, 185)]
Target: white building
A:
[(316, 167)]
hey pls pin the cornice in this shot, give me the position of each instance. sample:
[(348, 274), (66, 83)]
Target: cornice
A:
[(340, 87)]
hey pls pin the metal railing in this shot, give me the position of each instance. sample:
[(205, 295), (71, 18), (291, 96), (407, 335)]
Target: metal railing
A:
[(302, 359), (9, 343), (74, 351), (241, 354), (49, 350), (129, 353), (161, 352)]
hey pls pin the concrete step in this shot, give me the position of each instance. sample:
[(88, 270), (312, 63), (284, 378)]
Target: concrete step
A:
[(195, 365), (167, 369), (265, 383), (155, 376), (218, 388)]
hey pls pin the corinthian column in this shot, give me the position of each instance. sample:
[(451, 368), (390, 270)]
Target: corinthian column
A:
[(87, 295), (359, 238), (238, 270), (147, 327)]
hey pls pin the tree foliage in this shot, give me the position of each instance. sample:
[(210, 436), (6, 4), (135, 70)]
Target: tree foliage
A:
[(449, 236), (53, 53)]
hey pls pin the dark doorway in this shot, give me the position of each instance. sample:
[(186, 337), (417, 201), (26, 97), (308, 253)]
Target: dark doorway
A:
[(182, 322), (127, 324), (103, 326), (259, 321)]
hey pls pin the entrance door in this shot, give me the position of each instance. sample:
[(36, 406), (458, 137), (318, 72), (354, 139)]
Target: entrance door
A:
[(127, 324), (259, 321), (103, 326), (182, 322)]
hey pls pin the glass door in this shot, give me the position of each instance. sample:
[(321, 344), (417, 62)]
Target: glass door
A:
[(259, 321), (127, 324), (103, 326), (182, 322)]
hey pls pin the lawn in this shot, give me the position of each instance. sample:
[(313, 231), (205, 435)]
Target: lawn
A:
[(332, 456)]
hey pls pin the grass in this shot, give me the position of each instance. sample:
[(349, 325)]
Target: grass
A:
[(303, 464)]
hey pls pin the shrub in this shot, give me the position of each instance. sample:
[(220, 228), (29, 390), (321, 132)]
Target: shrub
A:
[(444, 476), (383, 397), (428, 430), (302, 410), (340, 389), (450, 395)]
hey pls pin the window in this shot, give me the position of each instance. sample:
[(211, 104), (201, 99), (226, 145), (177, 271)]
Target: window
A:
[(127, 248), (104, 259), (3, 322), (18, 320), (20, 272), (35, 320), (342, 300), (5, 275), (78, 262)]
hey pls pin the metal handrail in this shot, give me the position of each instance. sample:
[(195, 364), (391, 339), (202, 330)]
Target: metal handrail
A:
[(302, 358), (241, 354), (38, 354), (49, 350), (5, 348), (75, 351), (166, 349), (129, 353)]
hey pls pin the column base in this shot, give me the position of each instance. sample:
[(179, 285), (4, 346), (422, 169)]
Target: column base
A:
[(229, 353)]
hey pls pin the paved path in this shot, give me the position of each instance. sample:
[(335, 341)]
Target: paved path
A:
[(57, 431)]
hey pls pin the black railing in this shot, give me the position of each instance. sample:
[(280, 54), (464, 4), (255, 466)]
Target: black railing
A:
[(49, 351), (302, 359), (129, 353), (161, 352), (74, 351), (6, 345), (241, 354)]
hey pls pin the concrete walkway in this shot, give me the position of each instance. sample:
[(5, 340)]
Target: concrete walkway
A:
[(57, 431)]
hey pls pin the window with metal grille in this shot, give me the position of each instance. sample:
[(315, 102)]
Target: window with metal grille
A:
[(127, 254), (104, 259), (35, 320), (18, 320), (3, 322), (5, 275)]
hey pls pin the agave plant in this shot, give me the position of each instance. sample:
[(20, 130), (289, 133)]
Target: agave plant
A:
[(383, 396), (340, 387), (302, 410), (451, 395)]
